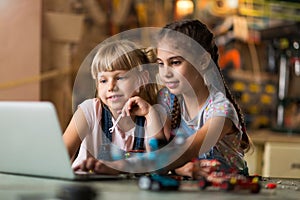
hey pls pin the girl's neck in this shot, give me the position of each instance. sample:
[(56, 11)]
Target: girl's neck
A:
[(194, 105), (126, 123)]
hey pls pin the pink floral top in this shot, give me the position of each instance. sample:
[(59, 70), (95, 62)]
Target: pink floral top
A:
[(227, 150)]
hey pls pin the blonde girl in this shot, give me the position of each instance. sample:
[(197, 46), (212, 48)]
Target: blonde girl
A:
[(121, 72)]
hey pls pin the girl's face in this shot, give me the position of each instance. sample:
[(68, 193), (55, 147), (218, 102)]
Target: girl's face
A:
[(177, 74), (116, 87)]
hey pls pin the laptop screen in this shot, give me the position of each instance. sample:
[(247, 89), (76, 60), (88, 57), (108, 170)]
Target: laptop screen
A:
[(31, 140)]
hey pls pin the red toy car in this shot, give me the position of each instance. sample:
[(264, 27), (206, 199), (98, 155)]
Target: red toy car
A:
[(228, 180)]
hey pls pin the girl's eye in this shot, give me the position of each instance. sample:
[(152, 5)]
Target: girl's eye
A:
[(175, 62), (160, 64), (121, 77), (102, 81)]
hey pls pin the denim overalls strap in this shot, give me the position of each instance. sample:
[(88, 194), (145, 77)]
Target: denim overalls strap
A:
[(107, 150)]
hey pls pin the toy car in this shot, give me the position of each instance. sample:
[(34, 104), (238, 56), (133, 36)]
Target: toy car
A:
[(227, 179), (230, 181), (157, 182)]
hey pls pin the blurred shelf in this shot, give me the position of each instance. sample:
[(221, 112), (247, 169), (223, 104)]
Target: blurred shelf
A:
[(284, 10), (289, 30), (266, 135)]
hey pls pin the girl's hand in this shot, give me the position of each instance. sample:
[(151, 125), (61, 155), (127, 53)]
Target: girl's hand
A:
[(153, 125), (95, 166), (197, 169), (186, 170), (204, 167), (136, 106)]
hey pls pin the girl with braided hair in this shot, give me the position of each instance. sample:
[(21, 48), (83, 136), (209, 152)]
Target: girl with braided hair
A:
[(122, 76), (198, 102)]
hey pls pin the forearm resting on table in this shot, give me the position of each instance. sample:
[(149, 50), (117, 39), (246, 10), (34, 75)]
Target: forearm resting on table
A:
[(154, 126), (203, 140)]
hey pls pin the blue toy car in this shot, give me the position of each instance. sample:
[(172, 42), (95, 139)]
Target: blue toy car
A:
[(157, 182)]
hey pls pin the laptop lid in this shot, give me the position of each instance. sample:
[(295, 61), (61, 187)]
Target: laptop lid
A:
[(31, 140)]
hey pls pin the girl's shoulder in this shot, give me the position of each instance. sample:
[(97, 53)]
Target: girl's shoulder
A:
[(163, 91), (91, 106), (94, 102), (218, 98), (220, 105), (165, 96)]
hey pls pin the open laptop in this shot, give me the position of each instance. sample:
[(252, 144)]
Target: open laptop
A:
[(31, 142)]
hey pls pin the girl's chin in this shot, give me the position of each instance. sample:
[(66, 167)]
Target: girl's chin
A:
[(175, 91), (116, 106)]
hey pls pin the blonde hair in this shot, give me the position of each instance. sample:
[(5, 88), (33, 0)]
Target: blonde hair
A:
[(126, 55)]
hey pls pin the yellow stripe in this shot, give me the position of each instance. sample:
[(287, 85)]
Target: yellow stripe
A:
[(45, 76)]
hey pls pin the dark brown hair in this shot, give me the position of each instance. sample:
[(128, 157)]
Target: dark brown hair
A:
[(201, 34)]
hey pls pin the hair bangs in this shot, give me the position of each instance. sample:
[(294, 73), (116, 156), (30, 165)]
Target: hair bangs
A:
[(117, 56), (125, 61)]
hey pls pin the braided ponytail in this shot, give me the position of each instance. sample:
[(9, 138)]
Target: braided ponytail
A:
[(175, 114)]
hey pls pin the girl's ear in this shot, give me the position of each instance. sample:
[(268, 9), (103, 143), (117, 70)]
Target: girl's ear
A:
[(205, 60), (202, 62)]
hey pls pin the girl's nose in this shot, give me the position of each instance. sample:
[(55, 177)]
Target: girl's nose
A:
[(112, 86), (166, 71)]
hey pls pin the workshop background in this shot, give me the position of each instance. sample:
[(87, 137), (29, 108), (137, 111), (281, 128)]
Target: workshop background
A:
[(44, 42)]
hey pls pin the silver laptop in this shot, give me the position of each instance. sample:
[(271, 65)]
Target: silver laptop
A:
[(31, 142)]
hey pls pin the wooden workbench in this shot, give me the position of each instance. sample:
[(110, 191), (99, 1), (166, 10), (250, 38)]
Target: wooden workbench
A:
[(14, 187)]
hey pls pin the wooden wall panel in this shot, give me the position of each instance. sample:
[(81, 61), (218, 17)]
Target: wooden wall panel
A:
[(20, 39)]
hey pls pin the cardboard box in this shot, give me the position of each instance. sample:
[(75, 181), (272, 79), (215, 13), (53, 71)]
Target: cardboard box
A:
[(254, 159), (281, 160), (63, 27)]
